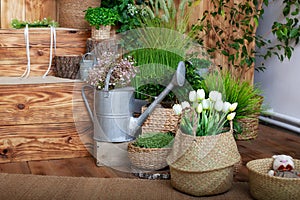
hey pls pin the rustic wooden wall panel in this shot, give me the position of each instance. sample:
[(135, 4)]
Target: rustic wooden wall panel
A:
[(39, 9), (17, 70), (13, 57), (43, 120), (11, 9), (39, 103), (42, 142), (29, 10)]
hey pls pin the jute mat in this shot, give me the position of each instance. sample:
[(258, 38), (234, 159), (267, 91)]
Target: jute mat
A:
[(31, 187)]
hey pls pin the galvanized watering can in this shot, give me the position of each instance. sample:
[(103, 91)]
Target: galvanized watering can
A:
[(86, 65), (113, 109)]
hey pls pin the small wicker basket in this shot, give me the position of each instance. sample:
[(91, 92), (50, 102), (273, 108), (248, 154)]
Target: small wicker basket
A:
[(250, 124), (250, 128), (148, 158), (161, 120), (102, 33), (263, 186)]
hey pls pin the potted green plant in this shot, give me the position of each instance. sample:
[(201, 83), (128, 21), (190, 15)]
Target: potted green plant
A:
[(101, 19), (247, 96), (163, 43), (150, 150), (204, 150)]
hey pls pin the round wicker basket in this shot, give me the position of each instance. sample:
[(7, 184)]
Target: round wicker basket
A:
[(212, 182), (102, 33), (250, 128), (263, 186), (148, 158), (204, 165), (161, 120)]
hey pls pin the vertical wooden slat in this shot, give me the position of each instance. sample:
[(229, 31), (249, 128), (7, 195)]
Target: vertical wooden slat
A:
[(11, 9), (39, 9)]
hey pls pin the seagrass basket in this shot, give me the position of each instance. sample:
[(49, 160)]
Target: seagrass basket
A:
[(265, 187), (148, 158), (250, 128), (204, 165), (102, 33), (250, 124), (161, 120)]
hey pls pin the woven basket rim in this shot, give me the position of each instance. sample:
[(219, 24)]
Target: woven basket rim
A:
[(132, 146), (265, 175)]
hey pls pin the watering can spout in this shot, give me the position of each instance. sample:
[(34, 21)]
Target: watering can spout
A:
[(177, 80)]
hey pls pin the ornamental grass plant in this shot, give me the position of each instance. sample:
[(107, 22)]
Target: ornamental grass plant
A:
[(233, 89)]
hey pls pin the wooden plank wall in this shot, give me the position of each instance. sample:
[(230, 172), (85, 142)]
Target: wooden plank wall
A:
[(43, 121), (29, 10), (13, 57)]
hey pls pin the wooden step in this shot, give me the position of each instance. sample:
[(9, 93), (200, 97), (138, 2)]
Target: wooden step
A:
[(43, 119)]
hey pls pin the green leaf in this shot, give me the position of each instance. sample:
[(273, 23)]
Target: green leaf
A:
[(225, 53)]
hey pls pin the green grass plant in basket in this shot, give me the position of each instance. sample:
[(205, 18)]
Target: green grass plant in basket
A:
[(150, 150), (154, 140)]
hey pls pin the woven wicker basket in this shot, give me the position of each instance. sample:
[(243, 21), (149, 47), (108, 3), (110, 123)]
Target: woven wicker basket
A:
[(263, 186), (161, 120), (203, 166), (250, 124), (250, 128), (102, 33), (148, 158)]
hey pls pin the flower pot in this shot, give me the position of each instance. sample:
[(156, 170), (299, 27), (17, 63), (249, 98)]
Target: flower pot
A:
[(102, 33), (202, 166)]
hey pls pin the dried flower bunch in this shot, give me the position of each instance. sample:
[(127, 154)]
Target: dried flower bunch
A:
[(124, 71), (204, 116)]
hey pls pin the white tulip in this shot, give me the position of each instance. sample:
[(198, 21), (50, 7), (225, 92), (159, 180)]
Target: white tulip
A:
[(205, 104), (177, 109), (185, 104), (231, 116), (215, 96), (233, 107), (192, 96), (226, 107), (199, 108), (200, 94), (219, 105)]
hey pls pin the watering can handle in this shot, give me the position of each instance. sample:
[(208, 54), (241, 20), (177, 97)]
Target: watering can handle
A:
[(91, 54), (107, 79), (86, 101)]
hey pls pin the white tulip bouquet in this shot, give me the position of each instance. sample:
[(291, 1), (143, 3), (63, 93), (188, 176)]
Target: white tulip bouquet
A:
[(205, 116)]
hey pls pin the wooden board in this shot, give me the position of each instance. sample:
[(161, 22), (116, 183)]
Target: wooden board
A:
[(40, 142), (39, 103), (13, 56), (43, 119), (29, 10)]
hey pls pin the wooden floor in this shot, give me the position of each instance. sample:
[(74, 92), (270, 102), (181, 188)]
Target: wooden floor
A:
[(271, 140)]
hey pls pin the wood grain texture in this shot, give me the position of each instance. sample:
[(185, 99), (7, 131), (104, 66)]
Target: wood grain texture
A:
[(11, 9), (42, 142), (12, 70), (39, 9), (40, 103), (40, 37), (29, 10), (13, 57)]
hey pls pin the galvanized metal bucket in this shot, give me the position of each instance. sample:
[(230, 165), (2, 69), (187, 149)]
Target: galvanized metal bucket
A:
[(86, 65)]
